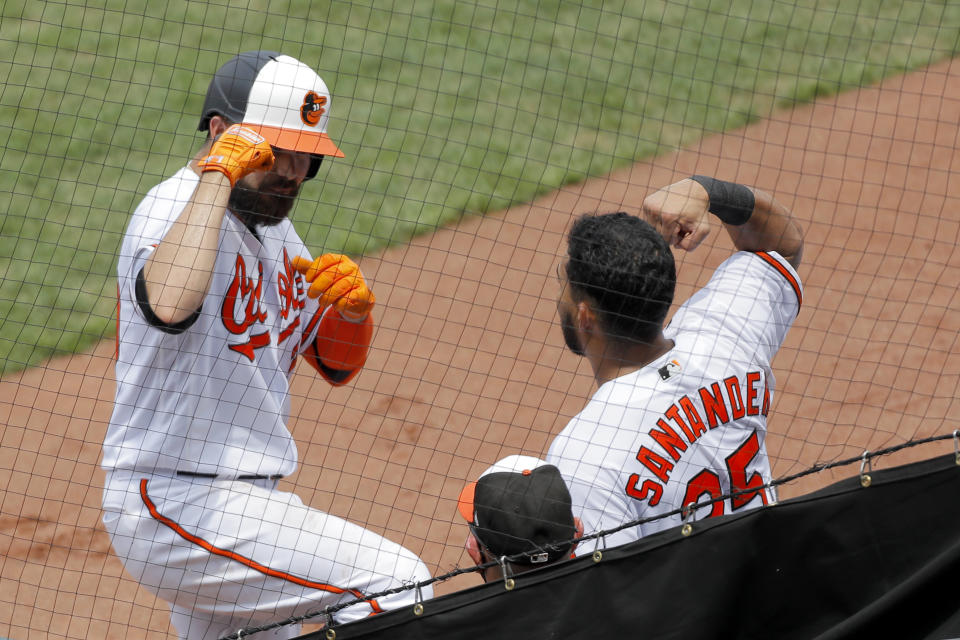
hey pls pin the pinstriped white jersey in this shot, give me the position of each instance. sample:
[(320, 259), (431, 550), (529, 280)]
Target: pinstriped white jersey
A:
[(690, 425), (214, 398)]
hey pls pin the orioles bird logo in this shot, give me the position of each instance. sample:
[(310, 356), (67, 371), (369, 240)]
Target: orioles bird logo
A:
[(312, 108)]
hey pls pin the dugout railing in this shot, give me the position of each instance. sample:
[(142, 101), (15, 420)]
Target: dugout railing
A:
[(874, 556)]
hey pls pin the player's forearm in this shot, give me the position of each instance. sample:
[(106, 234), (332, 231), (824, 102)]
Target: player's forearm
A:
[(179, 271), (753, 219), (771, 227)]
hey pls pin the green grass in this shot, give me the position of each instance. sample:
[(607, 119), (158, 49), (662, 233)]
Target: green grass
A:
[(444, 109)]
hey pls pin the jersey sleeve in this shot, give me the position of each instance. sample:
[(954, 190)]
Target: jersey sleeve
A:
[(150, 222), (751, 301)]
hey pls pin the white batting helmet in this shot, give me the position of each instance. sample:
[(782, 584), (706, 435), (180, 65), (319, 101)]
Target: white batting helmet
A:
[(277, 96)]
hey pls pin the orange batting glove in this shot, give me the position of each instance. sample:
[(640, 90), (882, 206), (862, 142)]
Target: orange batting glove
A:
[(238, 151), (336, 279)]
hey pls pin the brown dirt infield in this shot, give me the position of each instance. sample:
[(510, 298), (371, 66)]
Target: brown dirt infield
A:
[(468, 365)]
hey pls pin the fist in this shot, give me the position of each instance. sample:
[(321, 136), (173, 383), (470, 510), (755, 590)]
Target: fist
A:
[(680, 213), (238, 151), (336, 280)]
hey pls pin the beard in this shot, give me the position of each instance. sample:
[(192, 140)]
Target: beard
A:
[(267, 205), (569, 333)]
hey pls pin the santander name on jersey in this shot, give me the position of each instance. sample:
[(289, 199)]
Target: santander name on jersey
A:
[(682, 425), (214, 397), (690, 426)]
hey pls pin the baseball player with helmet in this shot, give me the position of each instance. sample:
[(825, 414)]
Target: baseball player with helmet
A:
[(680, 414), (218, 301)]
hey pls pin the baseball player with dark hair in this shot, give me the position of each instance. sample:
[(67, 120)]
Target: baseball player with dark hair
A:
[(680, 414), (218, 300), (520, 516)]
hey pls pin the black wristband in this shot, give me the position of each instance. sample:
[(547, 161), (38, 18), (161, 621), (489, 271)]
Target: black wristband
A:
[(731, 202)]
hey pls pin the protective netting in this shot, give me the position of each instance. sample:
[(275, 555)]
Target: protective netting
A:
[(473, 133)]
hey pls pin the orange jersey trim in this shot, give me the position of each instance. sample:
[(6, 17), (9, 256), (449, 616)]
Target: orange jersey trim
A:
[(256, 566), (773, 262)]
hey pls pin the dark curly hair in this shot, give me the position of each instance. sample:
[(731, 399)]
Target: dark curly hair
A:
[(626, 268)]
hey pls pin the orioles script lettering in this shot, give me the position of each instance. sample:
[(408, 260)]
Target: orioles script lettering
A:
[(243, 308)]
